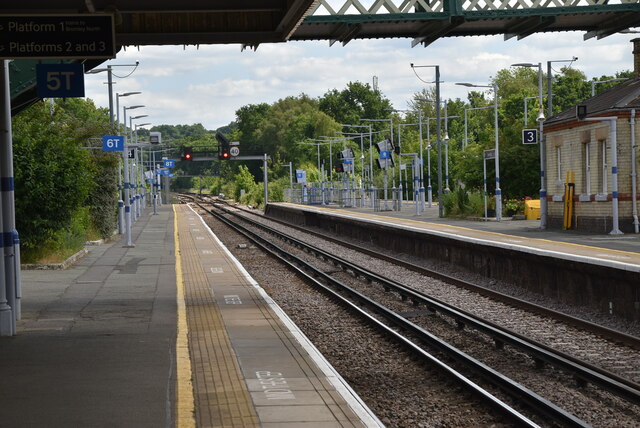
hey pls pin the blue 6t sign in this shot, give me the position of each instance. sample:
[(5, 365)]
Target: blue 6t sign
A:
[(113, 143)]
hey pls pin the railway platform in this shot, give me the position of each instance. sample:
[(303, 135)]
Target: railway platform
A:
[(597, 271), (523, 234), (172, 332)]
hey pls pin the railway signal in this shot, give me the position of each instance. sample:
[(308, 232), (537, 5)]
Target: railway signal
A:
[(223, 147), (186, 154)]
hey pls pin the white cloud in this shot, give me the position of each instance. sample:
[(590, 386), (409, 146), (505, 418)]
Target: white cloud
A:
[(183, 85)]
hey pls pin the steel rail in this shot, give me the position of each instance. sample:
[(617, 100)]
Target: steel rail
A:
[(506, 384), (605, 332), (540, 352)]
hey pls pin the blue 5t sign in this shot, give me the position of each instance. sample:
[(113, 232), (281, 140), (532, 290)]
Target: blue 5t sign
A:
[(113, 143), (60, 80)]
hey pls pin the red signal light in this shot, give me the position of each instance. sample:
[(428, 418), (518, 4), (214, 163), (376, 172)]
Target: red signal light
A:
[(187, 156), (225, 155)]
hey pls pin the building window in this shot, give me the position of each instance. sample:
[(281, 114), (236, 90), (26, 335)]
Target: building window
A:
[(586, 168), (602, 167)]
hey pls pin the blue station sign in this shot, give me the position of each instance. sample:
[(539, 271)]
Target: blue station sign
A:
[(113, 143), (60, 80)]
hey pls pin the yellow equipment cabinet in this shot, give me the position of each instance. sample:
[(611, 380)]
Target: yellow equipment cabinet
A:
[(532, 209)]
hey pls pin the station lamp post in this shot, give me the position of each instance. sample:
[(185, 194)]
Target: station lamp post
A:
[(438, 134), (542, 143), (109, 71), (497, 145), (320, 171), (141, 168), (597, 82), (391, 136), (136, 162), (127, 203), (126, 94), (121, 216), (550, 83)]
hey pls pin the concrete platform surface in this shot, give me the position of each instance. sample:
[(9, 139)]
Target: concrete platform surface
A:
[(137, 337), (621, 251)]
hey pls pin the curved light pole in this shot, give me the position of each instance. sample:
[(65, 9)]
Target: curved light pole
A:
[(542, 143), (127, 203), (121, 221), (497, 145), (141, 170), (126, 94), (110, 83), (437, 101), (550, 83), (597, 82), (136, 197)]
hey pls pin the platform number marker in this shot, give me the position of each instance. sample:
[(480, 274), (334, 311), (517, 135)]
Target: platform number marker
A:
[(529, 136), (113, 143), (232, 300)]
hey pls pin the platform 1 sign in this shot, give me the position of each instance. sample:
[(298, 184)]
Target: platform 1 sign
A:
[(54, 36)]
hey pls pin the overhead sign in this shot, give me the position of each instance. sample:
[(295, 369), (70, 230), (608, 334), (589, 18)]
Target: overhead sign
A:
[(113, 143), (53, 36), (490, 154), (529, 136), (169, 163), (155, 137), (301, 176), (60, 80)]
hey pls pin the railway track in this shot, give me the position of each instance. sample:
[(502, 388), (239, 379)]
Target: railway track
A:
[(602, 331), (399, 318)]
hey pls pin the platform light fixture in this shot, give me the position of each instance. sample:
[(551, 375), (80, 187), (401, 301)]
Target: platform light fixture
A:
[(541, 142)]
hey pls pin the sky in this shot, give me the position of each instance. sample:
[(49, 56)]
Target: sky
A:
[(184, 85)]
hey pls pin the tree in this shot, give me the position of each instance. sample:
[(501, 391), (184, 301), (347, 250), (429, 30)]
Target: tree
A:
[(570, 88), (53, 174), (357, 101)]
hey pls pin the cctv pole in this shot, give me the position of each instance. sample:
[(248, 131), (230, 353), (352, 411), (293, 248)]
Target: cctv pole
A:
[(440, 194), (266, 182)]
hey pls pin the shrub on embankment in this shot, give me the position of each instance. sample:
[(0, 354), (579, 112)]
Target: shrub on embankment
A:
[(65, 193)]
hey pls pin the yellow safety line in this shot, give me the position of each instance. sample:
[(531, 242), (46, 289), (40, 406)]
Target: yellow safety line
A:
[(185, 407), (468, 229)]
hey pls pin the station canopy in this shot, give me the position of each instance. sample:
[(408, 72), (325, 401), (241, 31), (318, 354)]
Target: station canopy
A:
[(183, 22)]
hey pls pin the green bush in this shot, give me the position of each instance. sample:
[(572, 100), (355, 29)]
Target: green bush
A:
[(456, 202), (476, 204), (461, 203)]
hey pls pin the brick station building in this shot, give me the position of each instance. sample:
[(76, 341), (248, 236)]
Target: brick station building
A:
[(584, 147)]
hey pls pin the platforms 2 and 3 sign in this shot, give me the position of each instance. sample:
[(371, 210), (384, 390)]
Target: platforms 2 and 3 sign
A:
[(57, 36), (52, 36)]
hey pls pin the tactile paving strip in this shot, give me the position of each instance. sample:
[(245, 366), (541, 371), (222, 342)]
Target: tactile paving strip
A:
[(221, 395)]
